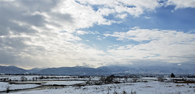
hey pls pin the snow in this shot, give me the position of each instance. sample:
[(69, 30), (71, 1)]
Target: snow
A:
[(64, 82), (18, 77), (149, 78), (153, 87), (4, 85), (150, 86)]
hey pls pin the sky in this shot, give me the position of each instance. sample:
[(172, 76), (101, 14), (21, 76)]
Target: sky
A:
[(94, 33)]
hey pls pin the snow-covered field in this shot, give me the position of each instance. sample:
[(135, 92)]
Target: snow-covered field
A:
[(153, 87), (143, 85), (5, 85), (64, 82)]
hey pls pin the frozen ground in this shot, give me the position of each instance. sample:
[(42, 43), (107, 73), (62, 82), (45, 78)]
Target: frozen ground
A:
[(5, 85), (64, 82), (142, 85), (153, 87)]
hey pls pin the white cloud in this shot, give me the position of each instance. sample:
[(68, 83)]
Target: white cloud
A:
[(122, 16), (99, 38), (44, 48), (147, 17), (83, 16), (32, 37), (94, 32), (164, 45), (154, 34), (44, 33), (119, 6), (182, 3), (80, 32)]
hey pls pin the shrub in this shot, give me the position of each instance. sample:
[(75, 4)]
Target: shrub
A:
[(172, 75), (23, 78), (160, 79), (109, 79), (115, 92), (124, 92), (7, 89)]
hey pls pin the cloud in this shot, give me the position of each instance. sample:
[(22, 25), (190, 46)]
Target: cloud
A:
[(140, 35), (45, 33), (83, 16), (122, 16), (182, 3), (147, 17), (99, 38), (132, 7), (36, 5), (35, 33), (164, 45), (80, 32), (42, 49), (12, 19)]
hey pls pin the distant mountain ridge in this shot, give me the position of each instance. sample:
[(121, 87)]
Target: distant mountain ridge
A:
[(104, 70), (35, 70), (72, 71), (12, 70)]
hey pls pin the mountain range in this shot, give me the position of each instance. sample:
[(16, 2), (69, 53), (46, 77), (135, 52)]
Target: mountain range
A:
[(12, 70), (104, 70)]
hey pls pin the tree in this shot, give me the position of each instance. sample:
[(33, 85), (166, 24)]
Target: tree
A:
[(172, 75), (109, 79), (23, 78), (160, 79)]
